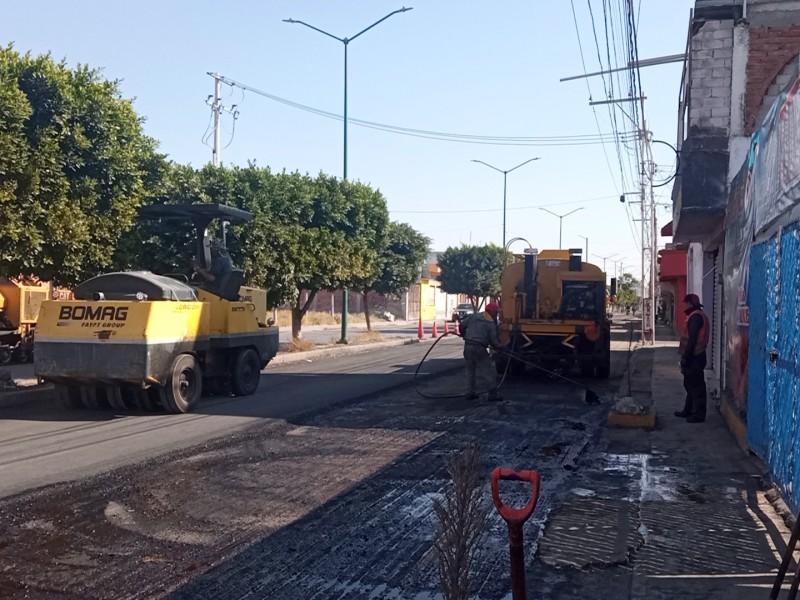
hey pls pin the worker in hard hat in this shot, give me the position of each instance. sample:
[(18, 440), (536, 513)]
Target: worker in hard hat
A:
[(480, 333)]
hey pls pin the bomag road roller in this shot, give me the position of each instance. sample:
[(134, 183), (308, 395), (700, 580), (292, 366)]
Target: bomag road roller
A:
[(554, 313), (141, 341)]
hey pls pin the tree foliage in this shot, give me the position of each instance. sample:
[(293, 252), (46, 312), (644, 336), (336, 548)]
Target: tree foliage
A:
[(400, 262), (74, 165), (627, 290), (472, 270), (401, 259)]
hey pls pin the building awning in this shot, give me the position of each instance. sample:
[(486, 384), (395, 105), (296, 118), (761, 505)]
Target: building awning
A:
[(666, 230)]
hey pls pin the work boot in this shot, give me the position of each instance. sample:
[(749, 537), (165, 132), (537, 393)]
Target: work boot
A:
[(681, 414)]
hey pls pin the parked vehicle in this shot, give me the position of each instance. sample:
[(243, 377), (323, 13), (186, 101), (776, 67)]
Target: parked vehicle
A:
[(462, 310), (554, 313)]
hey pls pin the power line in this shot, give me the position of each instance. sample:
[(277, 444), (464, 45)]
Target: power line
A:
[(565, 140)]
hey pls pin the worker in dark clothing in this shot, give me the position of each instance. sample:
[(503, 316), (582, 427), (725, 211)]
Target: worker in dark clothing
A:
[(480, 333), (693, 344), (220, 262)]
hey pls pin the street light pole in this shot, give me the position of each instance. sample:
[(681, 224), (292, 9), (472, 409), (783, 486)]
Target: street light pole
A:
[(346, 42), (505, 180), (560, 218), (605, 258), (587, 247)]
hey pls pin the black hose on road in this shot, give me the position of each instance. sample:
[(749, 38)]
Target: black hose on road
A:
[(590, 396)]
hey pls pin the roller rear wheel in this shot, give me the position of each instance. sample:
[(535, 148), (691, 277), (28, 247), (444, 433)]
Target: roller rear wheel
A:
[(184, 385), (246, 372)]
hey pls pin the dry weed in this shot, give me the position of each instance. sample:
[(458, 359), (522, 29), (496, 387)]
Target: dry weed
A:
[(368, 337), (284, 318), (298, 345), (462, 515)]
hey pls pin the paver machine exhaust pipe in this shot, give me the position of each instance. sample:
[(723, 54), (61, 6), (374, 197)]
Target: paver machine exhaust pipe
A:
[(515, 518)]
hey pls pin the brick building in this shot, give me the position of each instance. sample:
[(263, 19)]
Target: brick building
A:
[(735, 211)]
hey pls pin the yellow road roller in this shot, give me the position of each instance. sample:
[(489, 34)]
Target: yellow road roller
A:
[(140, 341)]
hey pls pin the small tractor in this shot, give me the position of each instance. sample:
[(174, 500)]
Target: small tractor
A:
[(554, 313), (20, 300), (135, 340)]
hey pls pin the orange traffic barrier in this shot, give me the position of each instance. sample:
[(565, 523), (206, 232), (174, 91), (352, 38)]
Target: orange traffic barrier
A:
[(434, 333), (456, 329), (446, 328), (421, 332)]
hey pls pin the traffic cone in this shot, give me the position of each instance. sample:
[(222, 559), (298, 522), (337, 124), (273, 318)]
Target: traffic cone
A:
[(446, 328), (421, 332), (434, 333), (455, 328)]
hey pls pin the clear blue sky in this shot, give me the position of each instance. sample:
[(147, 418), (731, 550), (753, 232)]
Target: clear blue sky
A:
[(469, 68)]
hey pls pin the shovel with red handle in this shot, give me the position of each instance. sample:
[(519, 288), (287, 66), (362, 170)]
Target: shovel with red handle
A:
[(515, 518)]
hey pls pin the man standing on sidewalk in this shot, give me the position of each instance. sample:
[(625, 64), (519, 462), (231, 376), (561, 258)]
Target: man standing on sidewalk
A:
[(694, 341), (479, 332)]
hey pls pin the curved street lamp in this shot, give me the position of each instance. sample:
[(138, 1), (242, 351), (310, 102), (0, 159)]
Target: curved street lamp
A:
[(560, 218), (505, 177), (346, 42)]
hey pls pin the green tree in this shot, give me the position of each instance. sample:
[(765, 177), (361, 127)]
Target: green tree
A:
[(400, 262), (627, 290), (74, 165), (310, 235), (472, 270)]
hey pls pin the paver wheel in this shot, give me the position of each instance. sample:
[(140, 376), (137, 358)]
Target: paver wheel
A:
[(246, 372), (184, 385)]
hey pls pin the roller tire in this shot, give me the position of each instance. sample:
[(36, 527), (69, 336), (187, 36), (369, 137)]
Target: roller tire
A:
[(246, 372), (184, 385), (5, 355), (114, 396), (68, 395), (91, 399)]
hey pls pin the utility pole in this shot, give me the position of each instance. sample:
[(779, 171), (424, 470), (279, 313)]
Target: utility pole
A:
[(217, 109)]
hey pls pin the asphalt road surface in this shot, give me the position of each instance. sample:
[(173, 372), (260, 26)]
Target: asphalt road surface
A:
[(320, 486)]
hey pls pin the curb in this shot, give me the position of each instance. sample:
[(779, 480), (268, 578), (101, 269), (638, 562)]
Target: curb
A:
[(33, 394), (43, 393), (335, 351)]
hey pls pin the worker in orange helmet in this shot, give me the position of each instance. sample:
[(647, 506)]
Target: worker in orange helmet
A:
[(480, 333)]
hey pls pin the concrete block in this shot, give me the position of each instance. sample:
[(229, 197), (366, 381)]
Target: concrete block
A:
[(700, 74), (719, 93), (699, 114), (716, 102), (722, 34), (719, 122), (724, 111), (645, 421)]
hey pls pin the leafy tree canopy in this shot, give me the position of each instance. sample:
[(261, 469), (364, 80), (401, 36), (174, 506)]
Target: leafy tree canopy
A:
[(74, 164), (472, 270), (401, 259)]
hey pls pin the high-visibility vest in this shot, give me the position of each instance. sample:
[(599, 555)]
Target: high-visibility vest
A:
[(702, 335)]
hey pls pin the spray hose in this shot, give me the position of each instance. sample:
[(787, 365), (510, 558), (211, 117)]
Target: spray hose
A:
[(590, 396)]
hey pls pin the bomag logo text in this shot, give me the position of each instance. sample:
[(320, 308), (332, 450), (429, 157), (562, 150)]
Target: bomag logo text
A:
[(93, 313)]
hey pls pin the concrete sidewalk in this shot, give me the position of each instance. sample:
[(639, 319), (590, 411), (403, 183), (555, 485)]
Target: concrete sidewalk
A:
[(688, 505)]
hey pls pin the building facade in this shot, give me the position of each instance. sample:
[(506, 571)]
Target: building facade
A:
[(735, 208)]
